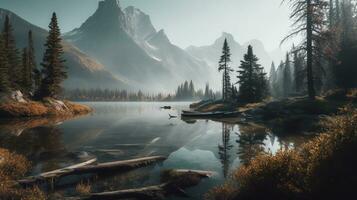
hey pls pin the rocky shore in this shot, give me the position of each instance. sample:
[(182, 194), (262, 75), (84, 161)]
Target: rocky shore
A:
[(17, 106)]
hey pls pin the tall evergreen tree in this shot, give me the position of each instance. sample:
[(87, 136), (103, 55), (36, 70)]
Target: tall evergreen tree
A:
[(273, 79), (252, 80), (299, 75), (35, 72), (191, 89), (287, 82), (53, 64), (224, 66), (346, 69), (26, 72), (308, 16), (4, 68), (12, 54)]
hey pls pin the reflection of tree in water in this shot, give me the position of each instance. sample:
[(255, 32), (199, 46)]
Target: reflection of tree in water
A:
[(251, 142), (225, 147), (37, 144)]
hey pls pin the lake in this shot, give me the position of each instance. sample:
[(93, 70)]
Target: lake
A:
[(118, 131)]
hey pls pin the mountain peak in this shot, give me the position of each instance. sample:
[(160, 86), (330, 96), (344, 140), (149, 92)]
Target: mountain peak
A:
[(160, 38), (109, 3), (257, 44), (108, 16), (138, 23), (227, 36)]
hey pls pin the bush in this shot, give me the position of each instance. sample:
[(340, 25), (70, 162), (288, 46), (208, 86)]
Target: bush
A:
[(12, 167), (323, 168)]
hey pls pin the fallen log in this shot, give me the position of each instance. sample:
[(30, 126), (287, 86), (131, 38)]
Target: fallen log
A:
[(150, 192), (177, 181), (202, 173), (89, 168)]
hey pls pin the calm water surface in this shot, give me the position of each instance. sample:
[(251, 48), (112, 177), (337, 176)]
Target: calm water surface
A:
[(118, 131)]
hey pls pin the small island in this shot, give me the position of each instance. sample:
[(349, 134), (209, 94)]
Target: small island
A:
[(25, 89)]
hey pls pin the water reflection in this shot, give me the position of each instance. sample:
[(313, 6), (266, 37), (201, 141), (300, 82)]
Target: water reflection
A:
[(225, 147), (118, 131), (250, 142)]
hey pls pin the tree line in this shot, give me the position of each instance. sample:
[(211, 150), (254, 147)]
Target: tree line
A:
[(252, 82), (114, 95), (326, 58), (19, 70), (185, 92)]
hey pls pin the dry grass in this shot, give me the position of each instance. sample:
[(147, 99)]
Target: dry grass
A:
[(83, 189), (40, 109), (324, 168), (12, 167), (16, 109), (78, 108)]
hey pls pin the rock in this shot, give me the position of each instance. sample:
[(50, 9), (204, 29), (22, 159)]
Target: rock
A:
[(18, 96), (57, 104)]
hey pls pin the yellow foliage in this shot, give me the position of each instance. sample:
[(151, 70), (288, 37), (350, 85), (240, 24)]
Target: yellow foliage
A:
[(83, 189), (323, 168), (12, 167)]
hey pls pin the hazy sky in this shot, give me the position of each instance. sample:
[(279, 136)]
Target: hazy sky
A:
[(186, 22)]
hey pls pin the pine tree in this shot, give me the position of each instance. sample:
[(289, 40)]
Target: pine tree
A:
[(287, 82), (308, 16), (346, 69), (299, 75), (192, 90), (4, 68), (26, 84), (273, 80), (35, 72), (224, 66), (53, 64), (14, 69), (252, 80), (207, 92), (186, 90)]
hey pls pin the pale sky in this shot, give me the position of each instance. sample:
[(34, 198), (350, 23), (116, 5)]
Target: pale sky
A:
[(186, 22)]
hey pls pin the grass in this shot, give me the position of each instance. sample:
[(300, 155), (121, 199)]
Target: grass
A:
[(40, 109), (12, 167), (324, 168), (83, 189)]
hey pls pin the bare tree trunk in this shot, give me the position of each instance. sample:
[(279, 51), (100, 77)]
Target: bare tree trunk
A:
[(310, 76)]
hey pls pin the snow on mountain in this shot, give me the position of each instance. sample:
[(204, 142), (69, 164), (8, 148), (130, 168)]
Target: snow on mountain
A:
[(132, 48)]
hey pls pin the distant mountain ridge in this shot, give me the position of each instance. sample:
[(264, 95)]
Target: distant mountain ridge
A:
[(83, 71), (211, 54), (135, 54), (128, 44)]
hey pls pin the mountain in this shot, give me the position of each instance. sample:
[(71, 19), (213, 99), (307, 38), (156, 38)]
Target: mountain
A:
[(211, 54), (158, 46), (126, 41), (83, 71)]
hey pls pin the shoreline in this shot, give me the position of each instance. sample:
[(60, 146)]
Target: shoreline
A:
[(45, 108)]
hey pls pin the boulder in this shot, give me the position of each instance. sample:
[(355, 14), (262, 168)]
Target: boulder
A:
[(18, 96)]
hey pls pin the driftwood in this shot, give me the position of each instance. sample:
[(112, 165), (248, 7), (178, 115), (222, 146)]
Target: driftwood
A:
[(88, 168), (150, 192), (172, 187)]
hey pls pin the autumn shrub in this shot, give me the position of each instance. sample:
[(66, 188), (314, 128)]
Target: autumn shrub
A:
[(13, 167), (78, 108), (324, 168), (17, 109), (83, 189)]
